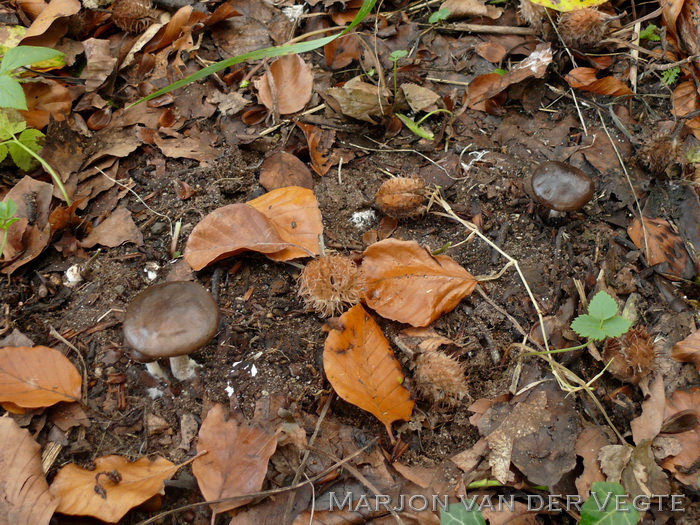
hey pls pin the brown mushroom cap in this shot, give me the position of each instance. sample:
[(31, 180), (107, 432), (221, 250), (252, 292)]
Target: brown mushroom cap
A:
[(561, 187), (170, 319)]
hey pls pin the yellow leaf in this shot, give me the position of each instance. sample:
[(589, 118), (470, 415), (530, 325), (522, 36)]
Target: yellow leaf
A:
[(568, 5)]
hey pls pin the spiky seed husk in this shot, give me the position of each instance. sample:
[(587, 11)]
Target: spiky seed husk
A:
[(329, 284), (634, 355), (440, 377), (583, 28), (133, 16), (402, 197), (533, 14), (659, 152)]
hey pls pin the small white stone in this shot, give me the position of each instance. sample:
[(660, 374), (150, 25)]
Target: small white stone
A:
[(151, 269), (73, 276), (253, 371), (229, 389), (154, 393), (362, 219)]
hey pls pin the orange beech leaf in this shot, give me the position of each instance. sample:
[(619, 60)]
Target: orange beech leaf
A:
[(406, 283), (685, 100), (491, 51), (287, 85), (320, 143), (112, 488), (688, 350), (361, 367), (230, 230), (46, 99), (584, 78), (684, 464), (294, 213), (664, 245), (284, 169), (236, 460), (342, 51), (24, 494), (38, 376), (38, 33)]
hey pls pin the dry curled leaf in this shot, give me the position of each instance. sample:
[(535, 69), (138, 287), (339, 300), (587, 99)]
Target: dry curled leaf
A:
[(37, 376), (115, 230), (688, 350), (24, 494), (361, 367), (284, 169), (664, 246), (57, 11), (585, 79), (236, 460), (684, 465), (406, 283), (342, 51), (112, 488), (685, 100), (320, 143), (418, 98), (287, 85), (362, 101), (460, 9)]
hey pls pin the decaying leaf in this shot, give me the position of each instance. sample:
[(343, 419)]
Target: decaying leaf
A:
[(685, 100), (236, 460), (115, 230), (688, 350), (635, 468), (112, 488), (37, 376), (24, 494), (287, 85), (362, 369), (418, 98), (588, 444), (406, 283), (460, 9), (284, 169), (665, 247), (342, 51), (585, 79), (362, 101), (38, 33), (320, 143), (684, 466)]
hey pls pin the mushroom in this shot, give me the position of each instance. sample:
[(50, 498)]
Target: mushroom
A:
[(561, 187), (171, 319)]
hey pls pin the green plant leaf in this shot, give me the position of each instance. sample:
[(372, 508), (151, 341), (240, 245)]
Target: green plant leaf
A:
[(439, 16), (20, 156), (602, 306), (603, 508), (11, 94), (3, 152), (670, 76), (415, 128), (462, 514), (397, 55), (616, 326), (587, 326), (11, 123), (268, 52), (649, 33), (8, 209), (24, 56)]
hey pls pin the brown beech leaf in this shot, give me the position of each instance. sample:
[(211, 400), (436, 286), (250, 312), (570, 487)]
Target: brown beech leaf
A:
[(460, 9), (100, 63), (361, 367), (38, 376), (24, 494), (361, 100), (684, 464), (491, 51), (320, 143), (236, 460), (112, 488), (584, 78), (230, 230), (287, 85), (685, 100), (406, 283), (284, 169), (115, 230), (664, 245), (342, 51), (418, 97), (38, 33), (45, 99), (688, 350), (588, 444)]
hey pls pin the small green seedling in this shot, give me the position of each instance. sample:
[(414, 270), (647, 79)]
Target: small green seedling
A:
[(439, 16), (416, 128), (608, 506), (670, 76), (650, 33), (602, 320), (11, 92), (8, 209), (395, 56), (23, 145)]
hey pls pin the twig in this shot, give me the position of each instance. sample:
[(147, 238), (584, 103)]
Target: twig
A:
[(484, 29)]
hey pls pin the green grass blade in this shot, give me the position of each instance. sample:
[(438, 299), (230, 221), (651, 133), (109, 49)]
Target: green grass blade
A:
[(268, 52)]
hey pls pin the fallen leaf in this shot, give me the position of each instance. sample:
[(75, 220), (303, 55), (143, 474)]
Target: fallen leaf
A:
[(647, 425), (320, 143), (38, 33), (362, 101), (188, 148), (685, 100), (468, 8), (665, 247), (491, 51), (38, 376), (482, 92), (342, 51), (228, 103), (287, 86), (585, 79), (362, 369), (588, 444), (236, 460), (688, 350), (112, 488), (406, 283), (284, 169), (24, 494), (114, 231), (414, 341), (684, 466), (46, 99), (418, 97), (100, 63)]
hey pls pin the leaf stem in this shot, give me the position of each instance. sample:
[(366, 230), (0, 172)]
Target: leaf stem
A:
[(4, 240), (560, 350), (47, 167)]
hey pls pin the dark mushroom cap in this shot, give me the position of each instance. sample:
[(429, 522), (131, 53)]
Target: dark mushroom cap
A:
[(170, 319), (561, 187)]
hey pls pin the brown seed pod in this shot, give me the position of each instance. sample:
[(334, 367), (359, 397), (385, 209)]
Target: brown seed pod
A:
[(583, 28), (402, 197), (533, 14), (329, 284), (659, 152), (634, 355), (133, 16), (440, 377)]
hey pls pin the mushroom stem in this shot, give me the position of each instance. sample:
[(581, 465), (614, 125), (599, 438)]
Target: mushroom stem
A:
[(183, 368), (156, 370)]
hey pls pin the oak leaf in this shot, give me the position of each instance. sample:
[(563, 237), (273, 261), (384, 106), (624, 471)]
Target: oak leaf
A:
[(361, 367), (112, 488), (236, 460), (287, 85), (24, 494), (38, 376), (406, 283)]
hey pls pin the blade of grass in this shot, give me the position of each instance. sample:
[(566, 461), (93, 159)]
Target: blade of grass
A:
[(268, 52)]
